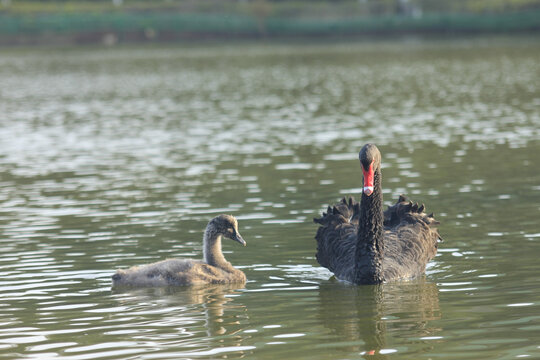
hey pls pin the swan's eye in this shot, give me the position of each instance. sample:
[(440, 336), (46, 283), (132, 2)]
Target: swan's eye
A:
[(366, 164)]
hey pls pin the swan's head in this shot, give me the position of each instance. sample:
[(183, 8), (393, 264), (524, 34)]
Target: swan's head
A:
[(370, 161), (226, 225)]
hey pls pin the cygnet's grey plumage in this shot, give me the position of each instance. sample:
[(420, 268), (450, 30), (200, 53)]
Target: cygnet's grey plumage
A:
[(213, 269)]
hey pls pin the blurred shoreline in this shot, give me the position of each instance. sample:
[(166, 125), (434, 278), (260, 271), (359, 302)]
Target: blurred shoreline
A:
[(100, 22)]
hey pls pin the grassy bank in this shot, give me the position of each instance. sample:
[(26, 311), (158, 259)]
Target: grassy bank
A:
[(104, 22), (277, 8)]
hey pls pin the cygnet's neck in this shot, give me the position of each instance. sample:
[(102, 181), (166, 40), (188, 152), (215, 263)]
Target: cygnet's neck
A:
[(212, 254)]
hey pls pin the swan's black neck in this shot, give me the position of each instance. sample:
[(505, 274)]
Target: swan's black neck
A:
[(212, 250), (370, 241)]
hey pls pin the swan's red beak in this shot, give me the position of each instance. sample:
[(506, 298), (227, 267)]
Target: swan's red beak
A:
[(369, 174)]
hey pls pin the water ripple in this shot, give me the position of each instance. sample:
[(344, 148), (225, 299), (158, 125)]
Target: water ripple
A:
[(137, 149)]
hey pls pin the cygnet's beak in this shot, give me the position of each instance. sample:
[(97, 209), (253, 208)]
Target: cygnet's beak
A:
[(238, 237)]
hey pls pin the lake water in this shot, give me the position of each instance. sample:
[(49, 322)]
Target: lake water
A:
[(112, 157)]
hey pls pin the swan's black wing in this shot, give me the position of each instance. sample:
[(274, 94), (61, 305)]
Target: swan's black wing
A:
[(410, 240), (336, 238)]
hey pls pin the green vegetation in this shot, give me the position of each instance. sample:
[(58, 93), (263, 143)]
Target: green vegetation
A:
[(169, 19), (280, 8)]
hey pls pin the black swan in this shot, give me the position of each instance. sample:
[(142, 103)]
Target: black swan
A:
[(362, 244), (213, 269)]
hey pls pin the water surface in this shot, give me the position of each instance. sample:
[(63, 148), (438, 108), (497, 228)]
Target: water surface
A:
[(120, 156)]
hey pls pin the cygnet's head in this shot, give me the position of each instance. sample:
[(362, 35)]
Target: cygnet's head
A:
[(226, 225)]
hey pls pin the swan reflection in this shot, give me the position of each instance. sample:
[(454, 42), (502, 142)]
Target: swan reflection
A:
[(190, 311), (367, 317)]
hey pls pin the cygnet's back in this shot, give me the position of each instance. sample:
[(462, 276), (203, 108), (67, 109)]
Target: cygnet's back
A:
[(213, 269)]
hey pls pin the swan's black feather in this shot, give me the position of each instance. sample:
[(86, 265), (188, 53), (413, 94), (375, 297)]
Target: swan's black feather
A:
[(361, 243), (410, 239)]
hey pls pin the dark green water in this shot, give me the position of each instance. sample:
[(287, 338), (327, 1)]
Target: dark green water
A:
[(116, 157)]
